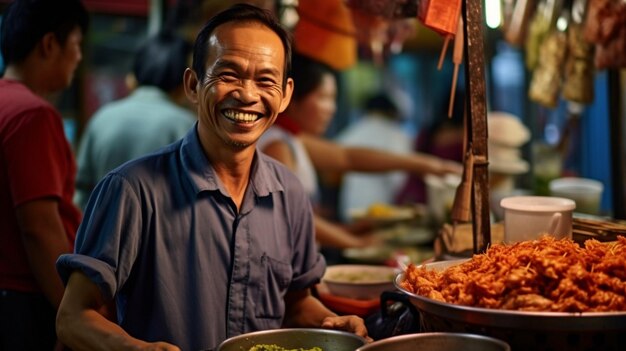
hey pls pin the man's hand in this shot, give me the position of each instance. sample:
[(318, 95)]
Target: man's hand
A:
[(353, 324), (304, 310), (160, 346)]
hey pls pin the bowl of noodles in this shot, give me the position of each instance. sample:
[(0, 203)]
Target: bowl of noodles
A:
[(359, 281), (544, 294), (294, 339)]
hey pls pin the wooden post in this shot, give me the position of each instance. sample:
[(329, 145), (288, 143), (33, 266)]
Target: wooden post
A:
[(477, 117)]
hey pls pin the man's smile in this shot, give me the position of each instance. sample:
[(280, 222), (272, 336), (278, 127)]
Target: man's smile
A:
[(241, 117)]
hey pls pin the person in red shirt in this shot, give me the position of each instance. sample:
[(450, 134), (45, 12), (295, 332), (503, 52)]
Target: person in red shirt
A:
[(40, 41)]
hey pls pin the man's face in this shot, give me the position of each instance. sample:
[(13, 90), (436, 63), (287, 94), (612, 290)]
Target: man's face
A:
[(68, 57), (242, 92)]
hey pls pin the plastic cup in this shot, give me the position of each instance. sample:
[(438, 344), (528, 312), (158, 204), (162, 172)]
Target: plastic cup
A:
[(585, 192), (547, 165)]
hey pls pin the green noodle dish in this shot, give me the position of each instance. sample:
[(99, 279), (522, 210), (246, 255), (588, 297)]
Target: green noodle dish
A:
[(274, 347)]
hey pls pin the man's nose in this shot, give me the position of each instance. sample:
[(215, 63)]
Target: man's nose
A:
[(247, 91)]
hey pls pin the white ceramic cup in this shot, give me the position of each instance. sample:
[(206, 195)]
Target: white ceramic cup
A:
[(528, 217)]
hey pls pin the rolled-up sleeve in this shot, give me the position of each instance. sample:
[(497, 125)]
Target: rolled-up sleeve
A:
[(308, 264), (108, 239)]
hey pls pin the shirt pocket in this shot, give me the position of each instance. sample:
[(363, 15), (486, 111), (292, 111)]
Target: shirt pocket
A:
[(274, 279)]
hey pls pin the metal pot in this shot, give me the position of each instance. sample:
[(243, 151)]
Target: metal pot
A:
[(437, 342), (538, 331), (326, 339)]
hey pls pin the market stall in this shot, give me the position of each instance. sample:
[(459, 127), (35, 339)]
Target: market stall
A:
[(558, 71)]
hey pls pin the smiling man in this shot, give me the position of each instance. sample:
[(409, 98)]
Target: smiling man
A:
[(207, 238)]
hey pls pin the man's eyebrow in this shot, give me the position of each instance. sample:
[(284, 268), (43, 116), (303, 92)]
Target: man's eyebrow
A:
[(270, 70), (222, 64)]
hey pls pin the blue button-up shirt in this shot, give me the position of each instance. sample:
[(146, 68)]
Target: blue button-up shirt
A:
[(162, 236)]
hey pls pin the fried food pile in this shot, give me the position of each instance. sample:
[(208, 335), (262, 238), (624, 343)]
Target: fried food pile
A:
[(548, 274)]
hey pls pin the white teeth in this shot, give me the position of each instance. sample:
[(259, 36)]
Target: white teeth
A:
[(240, 116)]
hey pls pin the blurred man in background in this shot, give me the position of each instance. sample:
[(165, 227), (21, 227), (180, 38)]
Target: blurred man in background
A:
[(152, 116), (41, 48)]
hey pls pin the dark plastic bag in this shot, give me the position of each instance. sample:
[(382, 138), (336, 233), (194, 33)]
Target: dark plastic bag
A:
[(397, 316)]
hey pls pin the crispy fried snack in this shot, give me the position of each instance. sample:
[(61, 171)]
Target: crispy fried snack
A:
[(539, 275)]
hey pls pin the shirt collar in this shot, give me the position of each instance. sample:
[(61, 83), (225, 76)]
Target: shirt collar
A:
[(201, 173)]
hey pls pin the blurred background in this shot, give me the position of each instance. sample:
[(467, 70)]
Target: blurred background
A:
[(585, 136)]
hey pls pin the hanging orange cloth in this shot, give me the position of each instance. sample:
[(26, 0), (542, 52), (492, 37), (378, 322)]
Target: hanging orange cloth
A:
[(442, 16)]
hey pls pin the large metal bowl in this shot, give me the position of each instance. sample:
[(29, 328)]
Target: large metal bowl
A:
[(326, 339), (437, 342), (522, 330)]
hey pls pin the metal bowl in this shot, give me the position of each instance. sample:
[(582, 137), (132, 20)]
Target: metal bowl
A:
[(522, 330), (306, 338), (437, 342)]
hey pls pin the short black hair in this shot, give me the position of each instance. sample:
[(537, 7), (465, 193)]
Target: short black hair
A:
[(307, 75), (161, 61), (25, 22), (381, 102), (239, 13)]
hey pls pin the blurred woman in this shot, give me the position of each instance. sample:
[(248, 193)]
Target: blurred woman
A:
[(296, 140)]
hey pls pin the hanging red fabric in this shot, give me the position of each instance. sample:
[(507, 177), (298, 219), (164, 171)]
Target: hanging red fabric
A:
[(285, 122)]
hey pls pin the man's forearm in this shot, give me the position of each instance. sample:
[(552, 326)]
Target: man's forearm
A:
[(92, 332), (42, 254), (44, 240), (306, 311), (81, 324)]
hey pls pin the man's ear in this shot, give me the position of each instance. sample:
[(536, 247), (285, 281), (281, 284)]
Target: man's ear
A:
[(288, 91), (190, 83), (48, 45)]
